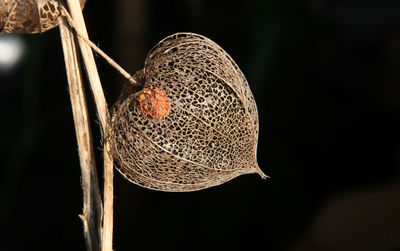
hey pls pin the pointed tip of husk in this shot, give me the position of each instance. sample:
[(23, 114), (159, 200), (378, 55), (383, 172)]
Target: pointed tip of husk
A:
[(261, 173)]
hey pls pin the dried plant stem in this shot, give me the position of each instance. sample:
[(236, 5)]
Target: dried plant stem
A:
[(121, 70), (103, 114), (92, 206)]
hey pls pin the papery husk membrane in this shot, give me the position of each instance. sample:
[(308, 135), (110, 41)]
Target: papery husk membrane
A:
[(210, 133)]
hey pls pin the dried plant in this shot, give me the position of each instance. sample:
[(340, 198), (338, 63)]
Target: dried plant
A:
[(187, 121), (29, 16), (193, 125), (37, 16)]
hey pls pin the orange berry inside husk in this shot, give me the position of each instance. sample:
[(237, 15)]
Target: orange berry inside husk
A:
[(153, 103)]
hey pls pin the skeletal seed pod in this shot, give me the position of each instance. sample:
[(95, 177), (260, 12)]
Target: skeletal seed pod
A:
[(29, 16), (202, 128)]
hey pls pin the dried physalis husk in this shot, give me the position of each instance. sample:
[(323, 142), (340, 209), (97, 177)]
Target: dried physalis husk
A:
[(29, 16), (193, 125)]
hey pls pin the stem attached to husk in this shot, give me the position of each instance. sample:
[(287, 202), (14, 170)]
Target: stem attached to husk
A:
[(116, 66)]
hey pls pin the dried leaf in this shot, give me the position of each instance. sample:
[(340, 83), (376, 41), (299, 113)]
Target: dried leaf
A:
[(29, 16), (208, 128)]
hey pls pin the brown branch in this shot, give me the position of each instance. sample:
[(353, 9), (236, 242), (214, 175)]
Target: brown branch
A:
[(103, 114), (109, 60), (92, 206)]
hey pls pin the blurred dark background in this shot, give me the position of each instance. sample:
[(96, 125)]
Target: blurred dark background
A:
[(325, 75)]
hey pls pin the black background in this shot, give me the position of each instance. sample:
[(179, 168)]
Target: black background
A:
[(325, 76)]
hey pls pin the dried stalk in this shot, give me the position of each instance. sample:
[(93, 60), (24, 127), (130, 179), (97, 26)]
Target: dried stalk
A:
[(103, 115), (109, 60), (92, 206)]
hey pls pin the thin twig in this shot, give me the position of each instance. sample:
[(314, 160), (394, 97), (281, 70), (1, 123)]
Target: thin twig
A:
[(121, 70), (92, 206), (103, 114)]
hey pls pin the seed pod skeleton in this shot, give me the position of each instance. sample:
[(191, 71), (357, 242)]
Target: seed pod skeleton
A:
[(209, 129), (29, 16)]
